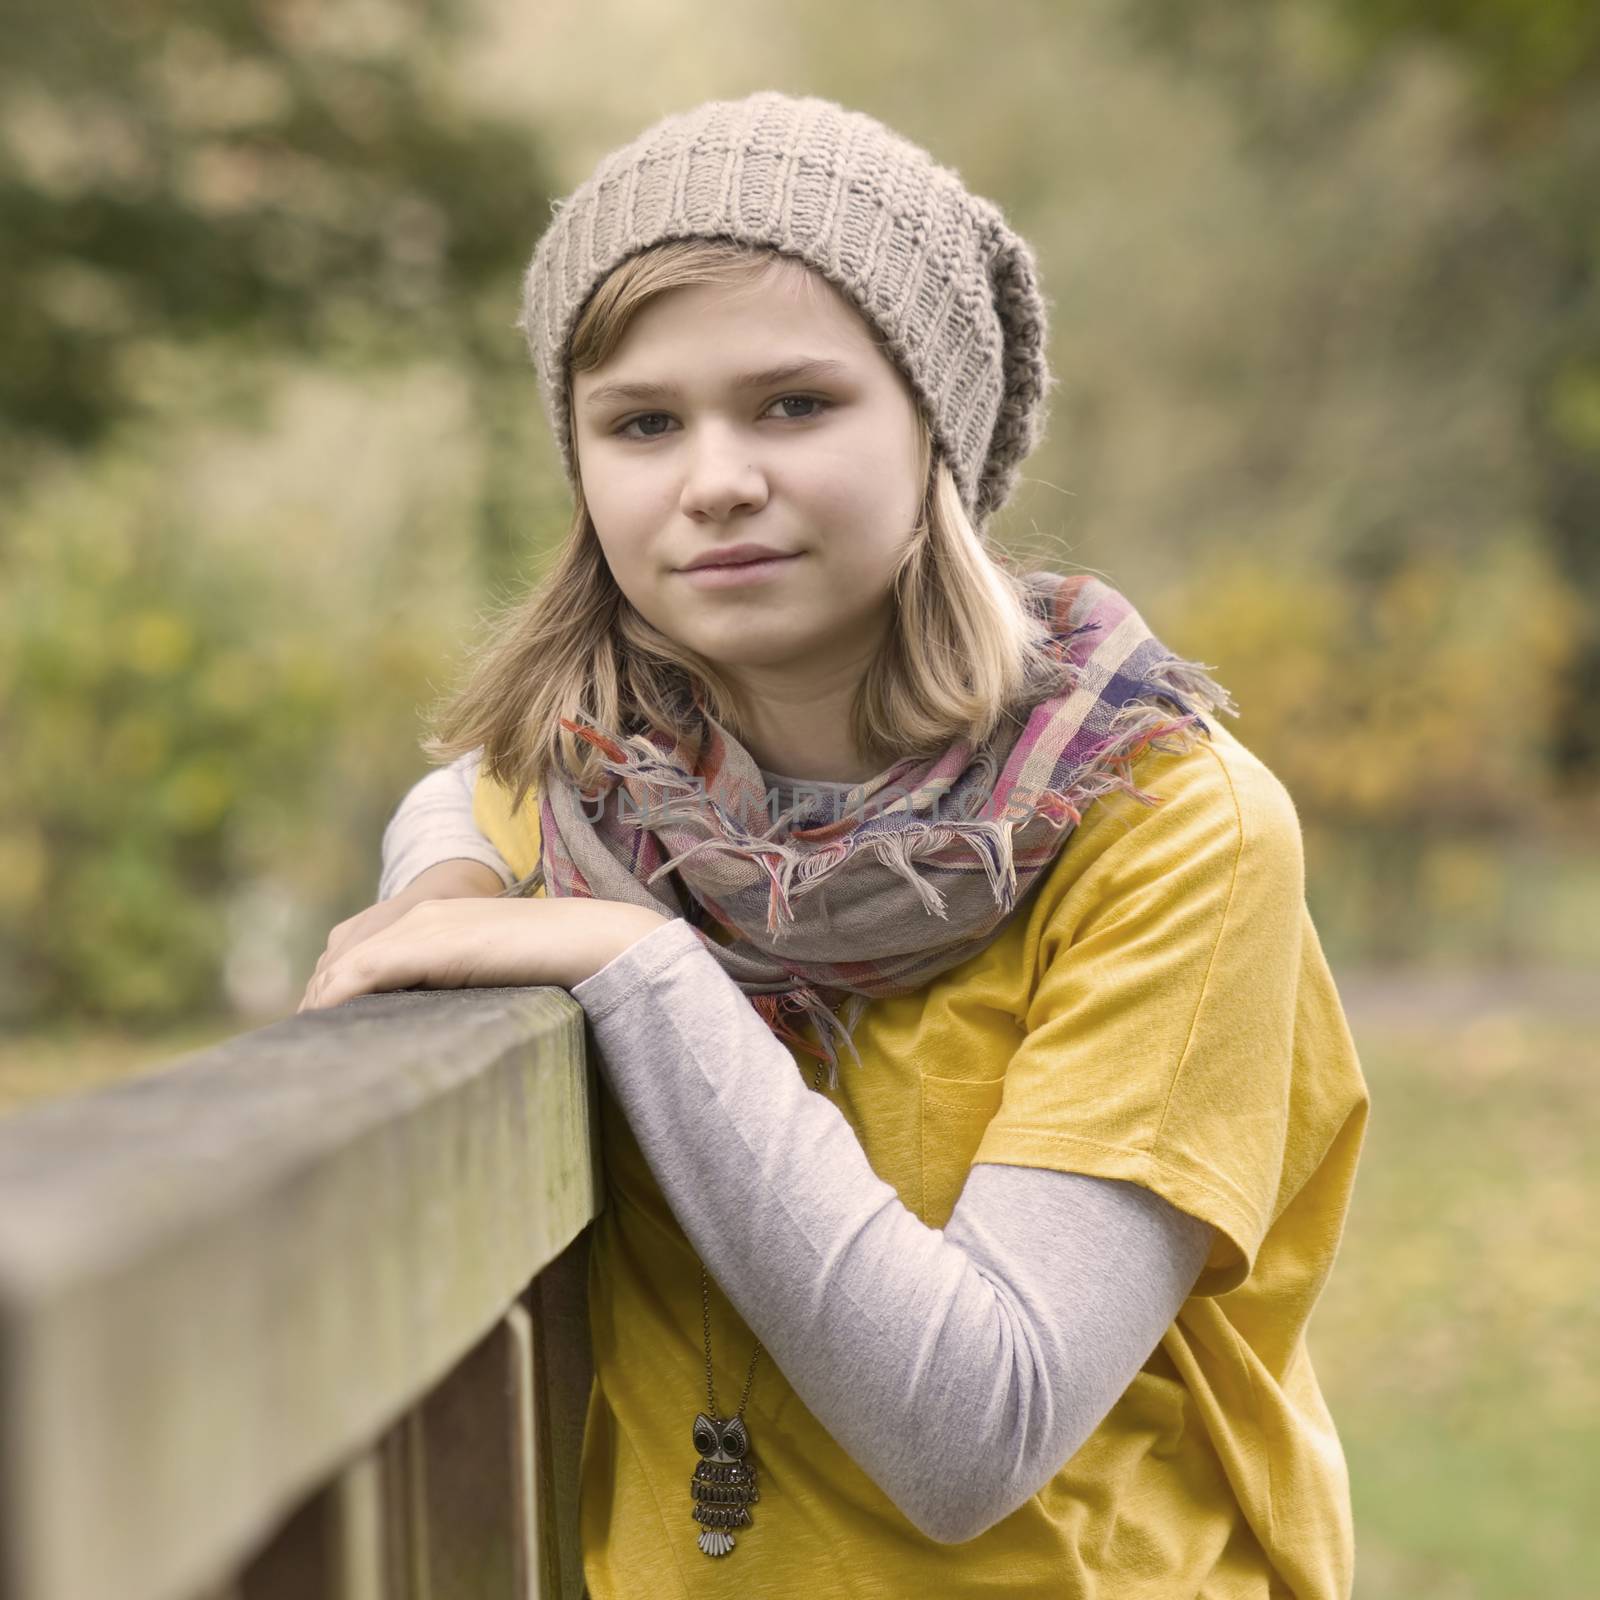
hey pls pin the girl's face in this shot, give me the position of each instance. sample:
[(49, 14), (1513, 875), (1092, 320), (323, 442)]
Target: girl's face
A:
[(764, 415)]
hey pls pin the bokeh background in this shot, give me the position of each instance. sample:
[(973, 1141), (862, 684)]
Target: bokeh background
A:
[(1326, 308)]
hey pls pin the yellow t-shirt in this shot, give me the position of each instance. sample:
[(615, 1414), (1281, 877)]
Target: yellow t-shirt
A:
[(1159, 1010)]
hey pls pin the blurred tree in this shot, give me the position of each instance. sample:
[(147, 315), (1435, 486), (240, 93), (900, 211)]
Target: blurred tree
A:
[(286, 175), (1537, 66), (198, 200), (165, 716), (1534, 66), (1524, 53)]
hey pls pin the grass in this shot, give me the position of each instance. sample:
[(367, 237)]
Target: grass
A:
[(1456, 1339)]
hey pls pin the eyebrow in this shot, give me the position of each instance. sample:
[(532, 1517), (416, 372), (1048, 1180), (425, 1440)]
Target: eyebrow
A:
[(805, 369)]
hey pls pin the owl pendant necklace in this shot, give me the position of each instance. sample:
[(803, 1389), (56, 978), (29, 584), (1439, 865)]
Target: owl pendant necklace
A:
[(723, 1487)]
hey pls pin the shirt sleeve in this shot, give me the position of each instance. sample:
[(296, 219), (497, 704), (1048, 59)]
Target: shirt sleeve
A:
[(1159, 1039), (960, 1367), (434, 823)]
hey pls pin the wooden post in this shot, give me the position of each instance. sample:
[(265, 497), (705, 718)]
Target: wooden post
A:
[(331, 1548), (222, 1282), (557, 1303), (477, 1472)]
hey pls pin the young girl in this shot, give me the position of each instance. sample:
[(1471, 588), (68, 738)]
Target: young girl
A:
[(979, 1116)]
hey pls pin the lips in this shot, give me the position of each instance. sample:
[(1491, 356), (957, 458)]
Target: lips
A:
[(737, 555), (739, 574)]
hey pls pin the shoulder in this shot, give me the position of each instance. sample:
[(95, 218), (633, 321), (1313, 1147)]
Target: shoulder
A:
[(1215, 788), (513, 829), (1230, 785), (1215, 813)]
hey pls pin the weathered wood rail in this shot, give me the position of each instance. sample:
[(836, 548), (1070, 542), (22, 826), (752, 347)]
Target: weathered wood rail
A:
[(301, 1317)]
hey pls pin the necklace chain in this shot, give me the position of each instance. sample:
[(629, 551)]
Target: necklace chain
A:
[(749, 1377), (705, 1324)]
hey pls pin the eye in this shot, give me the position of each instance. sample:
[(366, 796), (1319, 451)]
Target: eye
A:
[(646, 421), (803, 400), (649, 416)]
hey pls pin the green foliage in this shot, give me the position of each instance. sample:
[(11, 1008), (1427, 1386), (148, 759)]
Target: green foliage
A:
[(1413, 718), (1536, 64), (173, 720), (1387, 707), (303, 178), (1522, 50), (1302, 78), (205, 687)]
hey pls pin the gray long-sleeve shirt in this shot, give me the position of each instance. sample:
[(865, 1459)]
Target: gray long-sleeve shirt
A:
[(960, 1367)]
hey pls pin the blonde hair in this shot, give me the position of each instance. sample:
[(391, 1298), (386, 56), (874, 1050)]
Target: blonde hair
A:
[(963, 655)]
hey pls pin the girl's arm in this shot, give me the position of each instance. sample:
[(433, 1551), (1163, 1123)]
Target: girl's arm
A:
[(960, 1367), (433, 824)]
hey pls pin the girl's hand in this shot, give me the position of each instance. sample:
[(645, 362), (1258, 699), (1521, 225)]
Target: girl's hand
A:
[(476, 942), (446, 880)]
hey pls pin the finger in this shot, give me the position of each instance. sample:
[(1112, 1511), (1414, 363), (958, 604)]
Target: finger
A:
[(343, 938), (393, 957), (374, 966), (319, 972), (316, 996), (312, 999)]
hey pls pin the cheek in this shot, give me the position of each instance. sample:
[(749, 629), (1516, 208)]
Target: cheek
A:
[(620, 491), (872, 510), (625, 558), (623, 522), (871, 485), (635, 571)]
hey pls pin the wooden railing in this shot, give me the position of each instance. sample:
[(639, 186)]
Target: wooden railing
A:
[(302, 1315)]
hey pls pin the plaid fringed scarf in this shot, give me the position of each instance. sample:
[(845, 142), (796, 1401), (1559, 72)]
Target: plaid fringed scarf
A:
[(925, 862)]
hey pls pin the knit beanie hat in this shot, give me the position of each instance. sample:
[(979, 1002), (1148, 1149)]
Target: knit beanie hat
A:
[(952, 291)]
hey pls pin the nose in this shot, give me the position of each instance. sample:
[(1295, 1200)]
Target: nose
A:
[(720, 477)]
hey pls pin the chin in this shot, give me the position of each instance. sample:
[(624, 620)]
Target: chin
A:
[(755, 650)]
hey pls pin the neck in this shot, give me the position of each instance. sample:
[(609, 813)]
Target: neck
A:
[(803, 730)]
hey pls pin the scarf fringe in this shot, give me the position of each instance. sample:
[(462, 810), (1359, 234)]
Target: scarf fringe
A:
[(807, 1002), (1189, 684), (795, 871)]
